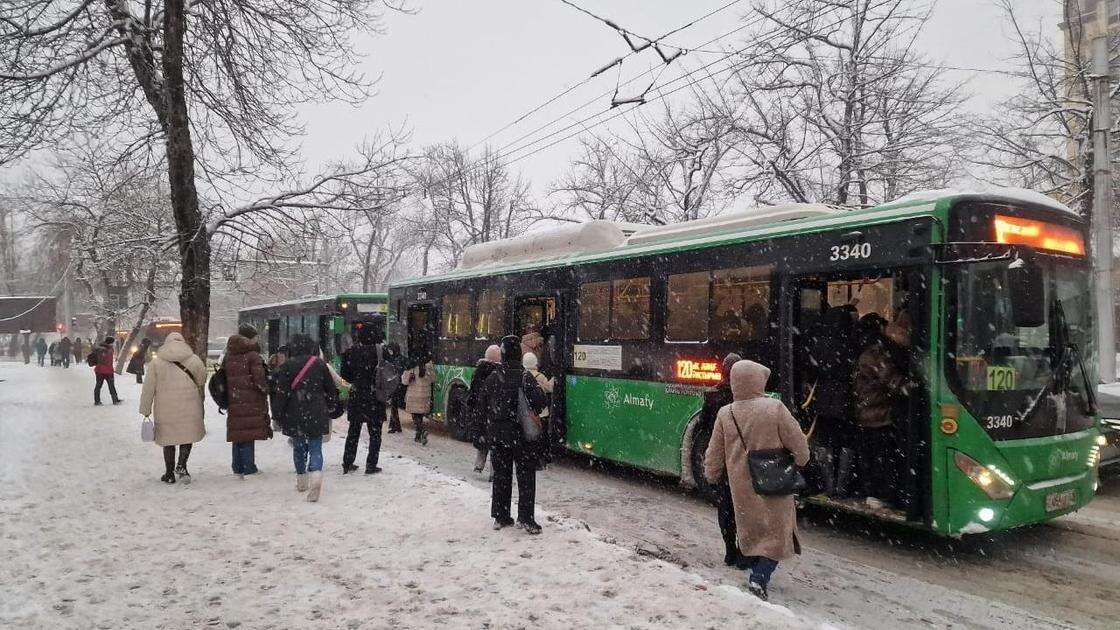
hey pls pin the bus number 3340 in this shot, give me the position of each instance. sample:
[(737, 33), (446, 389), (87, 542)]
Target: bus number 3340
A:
[(850, 252)]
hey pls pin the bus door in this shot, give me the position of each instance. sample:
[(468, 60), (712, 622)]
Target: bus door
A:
[(835, 318), (539, 322), (422, 330)]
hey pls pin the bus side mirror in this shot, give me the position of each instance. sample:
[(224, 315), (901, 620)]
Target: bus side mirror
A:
[(1028, 297)]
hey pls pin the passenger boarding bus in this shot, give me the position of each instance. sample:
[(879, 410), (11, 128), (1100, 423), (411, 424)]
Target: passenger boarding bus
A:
[(1000, 432), (328, 319)]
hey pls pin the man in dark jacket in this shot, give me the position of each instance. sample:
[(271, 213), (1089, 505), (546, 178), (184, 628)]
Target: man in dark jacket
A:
[(714, 400), (64, 347), (138, 360), (247, 384), (40, 350), (508, 447), (103, 370), (303, 394), (359, 367)]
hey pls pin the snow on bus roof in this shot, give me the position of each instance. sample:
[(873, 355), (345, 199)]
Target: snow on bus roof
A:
[(1021, 195), (316, 298)]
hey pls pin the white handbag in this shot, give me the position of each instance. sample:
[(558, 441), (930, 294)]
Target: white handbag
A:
[(148, 430)]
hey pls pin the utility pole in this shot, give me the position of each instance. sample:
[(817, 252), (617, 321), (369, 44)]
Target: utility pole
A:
[(1102, 213)]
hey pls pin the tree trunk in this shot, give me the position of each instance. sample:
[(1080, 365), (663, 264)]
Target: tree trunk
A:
[(194, 242)]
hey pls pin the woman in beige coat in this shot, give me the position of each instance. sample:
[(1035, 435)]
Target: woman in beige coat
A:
[(766, 525), (418, 395), (173, 390)]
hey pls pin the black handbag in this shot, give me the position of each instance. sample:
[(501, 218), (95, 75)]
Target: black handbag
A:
[(773, 471)]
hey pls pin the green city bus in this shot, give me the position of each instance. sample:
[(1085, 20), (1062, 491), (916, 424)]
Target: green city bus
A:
[(633, 321), (328, 319)]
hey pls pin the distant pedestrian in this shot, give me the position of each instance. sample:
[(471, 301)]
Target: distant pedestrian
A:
[(303, 392), (172, 395), (139, 359), (26, 349), (79, 349), (390, 390), (52, 353), (65, 347), (508, 447), (531, 364), (363, 406), (718, 398), (477, 411), (41, 350), (766, 526), (102, 357), (247, 385), (418, 394)]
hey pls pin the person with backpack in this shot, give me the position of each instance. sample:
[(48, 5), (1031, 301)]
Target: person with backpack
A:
[(172, 396), (240, 386), (41, 350), (476, 410), (363, 406), (765, 525), (418, 394), (138, 360), (101, 359), (303, 394), (512, 397), (390, 391)]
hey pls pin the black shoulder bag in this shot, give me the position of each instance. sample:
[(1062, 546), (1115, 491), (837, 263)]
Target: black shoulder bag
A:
[(773, 472)]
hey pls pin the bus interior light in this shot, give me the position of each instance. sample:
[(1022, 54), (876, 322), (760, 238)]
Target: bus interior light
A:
[(1039, 234), (994, 482)]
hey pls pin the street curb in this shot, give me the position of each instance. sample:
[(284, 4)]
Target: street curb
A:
[(1082, 527)]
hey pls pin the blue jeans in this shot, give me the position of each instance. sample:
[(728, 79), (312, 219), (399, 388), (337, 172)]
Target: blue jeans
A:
[(308, 454), (243, 456), (761, 569)]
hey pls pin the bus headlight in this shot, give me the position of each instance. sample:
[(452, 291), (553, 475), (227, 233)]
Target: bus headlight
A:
[(991, 480)]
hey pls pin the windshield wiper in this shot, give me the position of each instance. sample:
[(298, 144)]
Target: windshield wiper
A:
[(1069, 345), (1067, 351)]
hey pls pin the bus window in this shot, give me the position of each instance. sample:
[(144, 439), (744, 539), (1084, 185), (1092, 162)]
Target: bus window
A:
[(687, 307), (740, 303), (630, 309), (868, 295), (456, 316), (594, 311), (491, 314)]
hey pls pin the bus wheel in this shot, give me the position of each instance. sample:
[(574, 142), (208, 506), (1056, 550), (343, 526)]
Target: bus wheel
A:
[(700, 439), (457, 414)]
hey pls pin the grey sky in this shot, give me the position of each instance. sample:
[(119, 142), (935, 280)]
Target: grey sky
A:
[(463, 69)]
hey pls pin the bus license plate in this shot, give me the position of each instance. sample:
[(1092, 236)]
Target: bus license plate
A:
[(1060, 500)]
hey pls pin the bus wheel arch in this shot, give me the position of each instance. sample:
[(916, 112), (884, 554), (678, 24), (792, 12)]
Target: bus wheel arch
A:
[(455, 410), (693, 447)]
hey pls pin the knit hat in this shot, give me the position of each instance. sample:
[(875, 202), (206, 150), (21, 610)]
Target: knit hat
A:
[(511, 348), (247, 331), (529, 361)]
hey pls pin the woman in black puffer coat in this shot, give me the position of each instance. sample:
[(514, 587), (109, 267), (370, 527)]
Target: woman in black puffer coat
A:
[(476, 408)]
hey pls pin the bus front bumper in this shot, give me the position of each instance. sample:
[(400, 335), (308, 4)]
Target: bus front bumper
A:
[(1044, 500)]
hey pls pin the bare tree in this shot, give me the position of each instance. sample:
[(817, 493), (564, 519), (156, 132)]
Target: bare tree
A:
[(835, 106), (216, 82), (1040, 138), (464, 201)]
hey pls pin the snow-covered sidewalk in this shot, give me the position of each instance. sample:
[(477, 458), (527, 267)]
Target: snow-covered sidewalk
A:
[(92, 538)]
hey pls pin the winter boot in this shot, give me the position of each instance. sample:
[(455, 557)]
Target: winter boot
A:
[(758, 590), (845, 474), (316, 486), (301, 483), (184, 476)]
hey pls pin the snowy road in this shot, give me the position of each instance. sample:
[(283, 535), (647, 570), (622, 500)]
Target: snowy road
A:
[(92, 539), (852, 572)]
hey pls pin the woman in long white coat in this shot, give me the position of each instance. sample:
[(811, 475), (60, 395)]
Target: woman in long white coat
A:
[(172, 394)]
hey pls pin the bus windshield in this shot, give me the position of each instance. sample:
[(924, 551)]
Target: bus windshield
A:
[(1022, 382)]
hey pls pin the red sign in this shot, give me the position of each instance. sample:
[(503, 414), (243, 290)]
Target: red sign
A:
[(694, 370)]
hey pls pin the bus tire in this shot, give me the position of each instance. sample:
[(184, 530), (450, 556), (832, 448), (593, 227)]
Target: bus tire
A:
[(457, 422), (701, 435)]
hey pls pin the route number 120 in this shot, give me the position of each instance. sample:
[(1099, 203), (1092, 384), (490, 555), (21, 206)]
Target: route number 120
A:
[(849, 252)]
